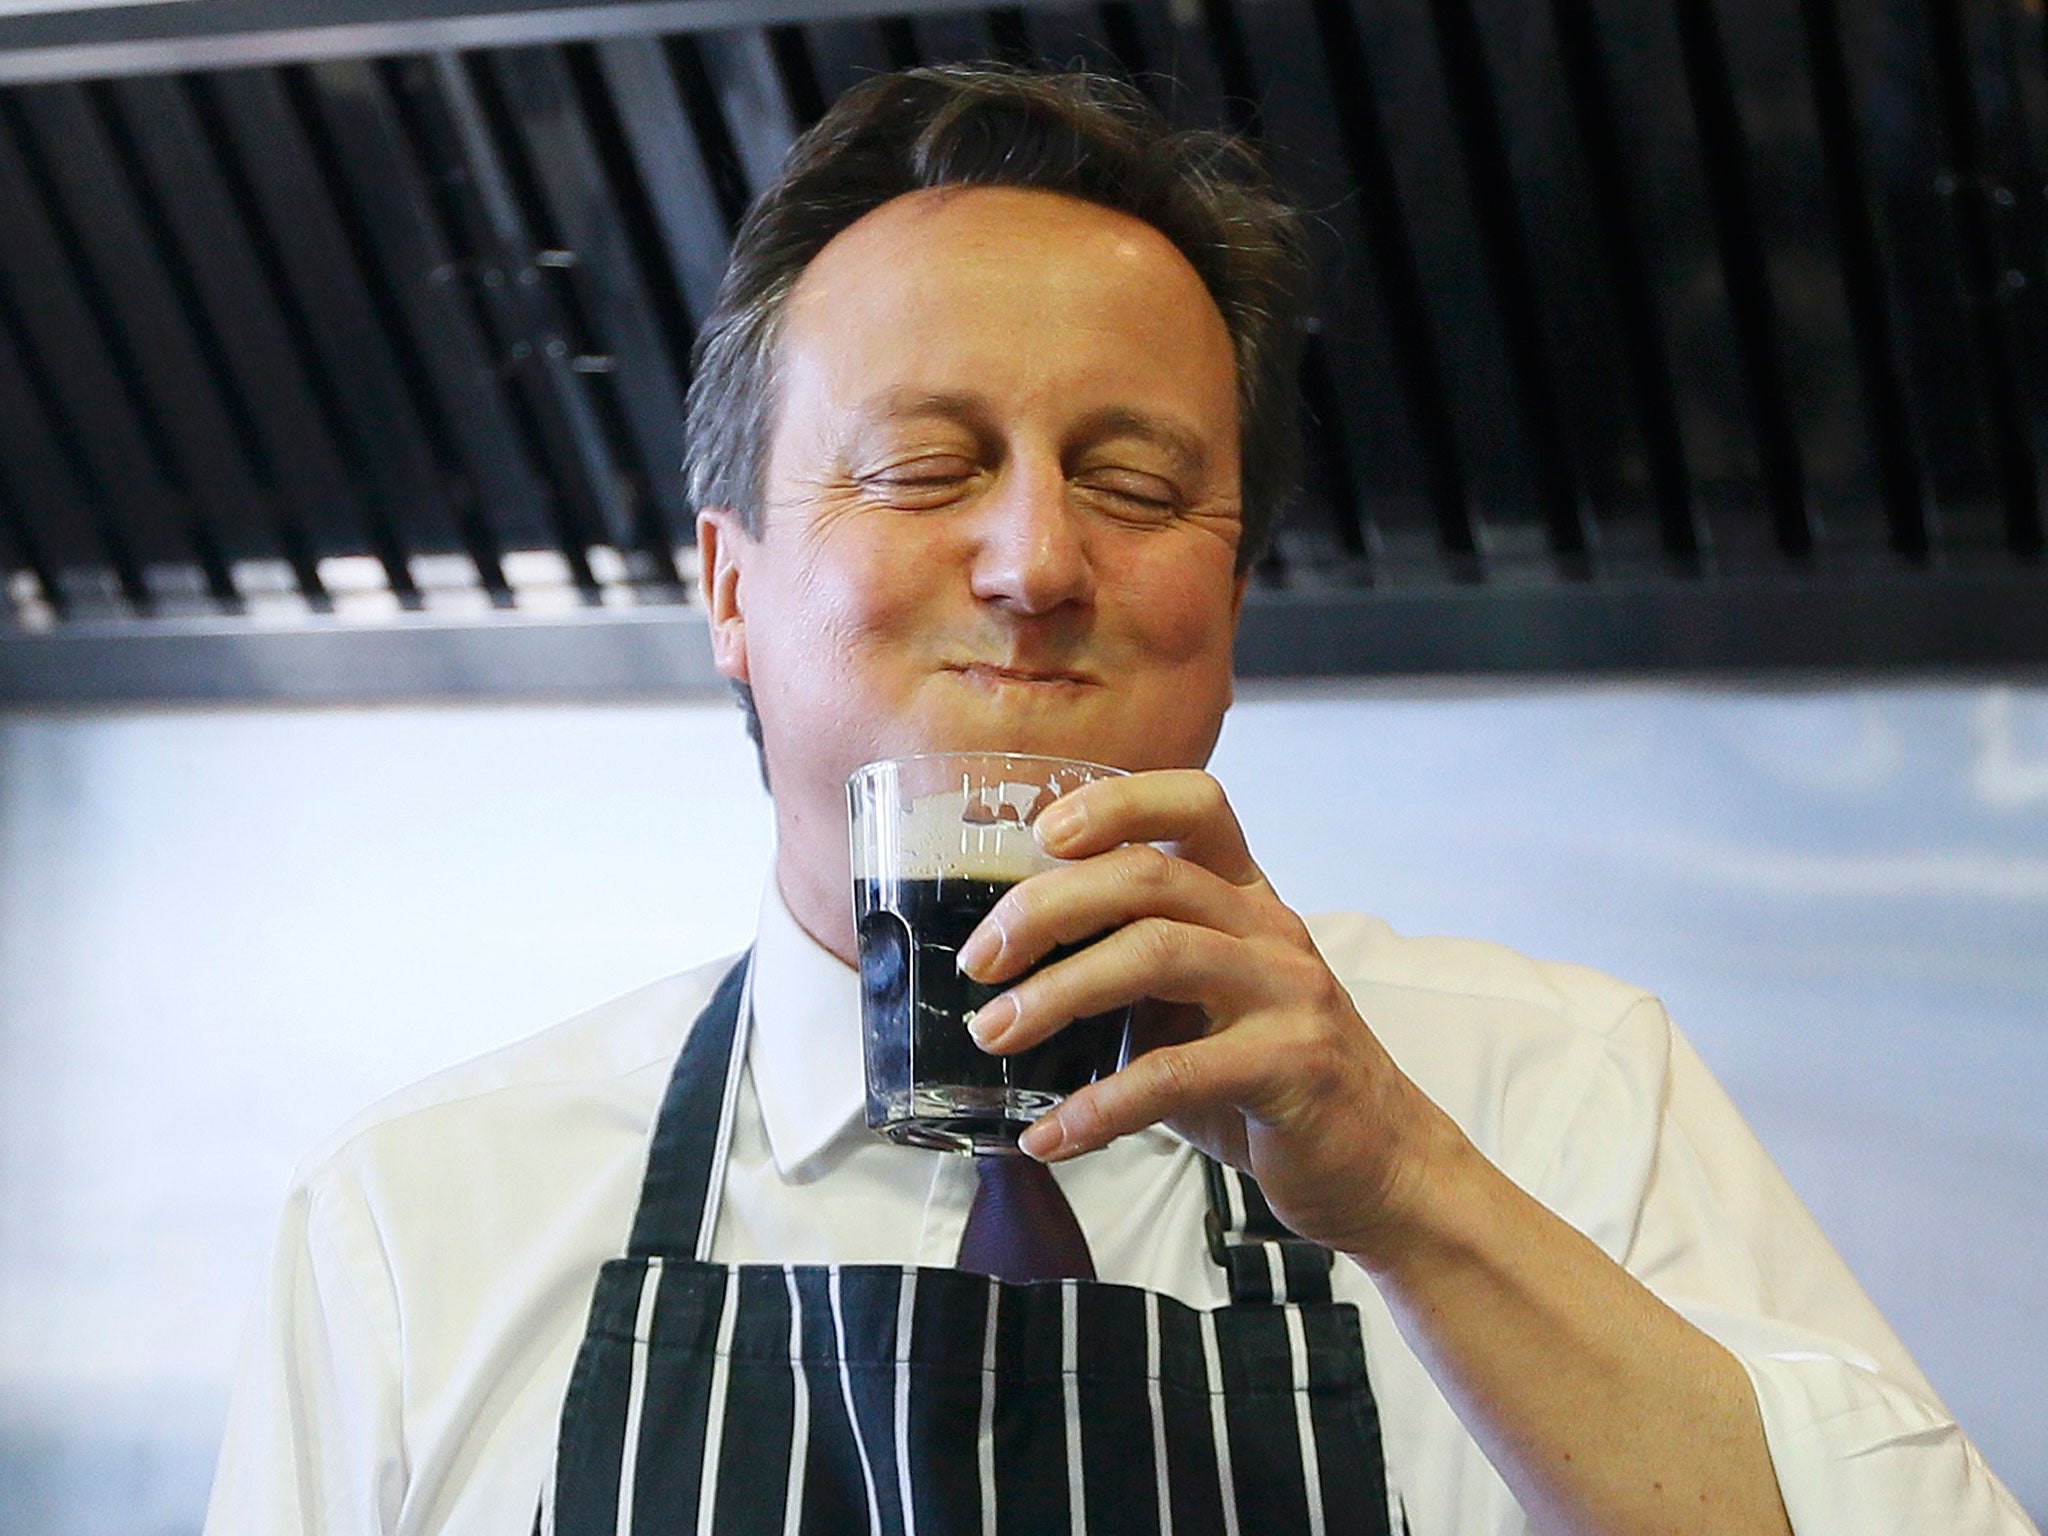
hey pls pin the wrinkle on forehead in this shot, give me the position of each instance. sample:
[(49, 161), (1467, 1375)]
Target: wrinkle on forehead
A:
[(996, 225)]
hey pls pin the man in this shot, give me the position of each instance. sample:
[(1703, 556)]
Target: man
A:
[(987, 432)]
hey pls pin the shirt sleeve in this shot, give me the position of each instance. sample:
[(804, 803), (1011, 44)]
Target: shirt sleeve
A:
[(1861, 1444), (313, 1443)]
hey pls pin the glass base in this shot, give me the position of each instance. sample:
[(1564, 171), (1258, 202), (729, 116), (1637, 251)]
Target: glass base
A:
[(949, 1118)]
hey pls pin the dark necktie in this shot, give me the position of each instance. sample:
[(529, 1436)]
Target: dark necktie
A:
[(1020, 1226)]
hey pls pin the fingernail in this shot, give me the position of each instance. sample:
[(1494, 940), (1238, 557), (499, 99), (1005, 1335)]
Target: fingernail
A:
[(983, 945), (1045, 1140), (1058, 822), (992, 1022)]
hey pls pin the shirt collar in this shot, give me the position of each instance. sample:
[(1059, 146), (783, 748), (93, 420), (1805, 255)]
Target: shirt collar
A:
[(805, 1052)]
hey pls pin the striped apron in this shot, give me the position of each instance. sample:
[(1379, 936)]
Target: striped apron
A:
[(816, 1400)]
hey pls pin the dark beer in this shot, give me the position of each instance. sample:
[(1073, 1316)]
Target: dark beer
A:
[(928, 1082)]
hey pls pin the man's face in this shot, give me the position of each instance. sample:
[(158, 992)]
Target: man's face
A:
[(1001, 500)]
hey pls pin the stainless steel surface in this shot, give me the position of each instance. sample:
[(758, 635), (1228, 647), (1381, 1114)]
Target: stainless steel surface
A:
[(664, 653), (1991, 623), (108, 42)]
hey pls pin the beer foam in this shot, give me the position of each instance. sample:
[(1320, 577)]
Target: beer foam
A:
[(952, 835)]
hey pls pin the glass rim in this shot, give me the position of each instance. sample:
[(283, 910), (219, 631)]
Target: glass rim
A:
[(868, 768)]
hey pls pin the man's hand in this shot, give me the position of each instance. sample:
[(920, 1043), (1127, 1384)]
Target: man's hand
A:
[(1602, 1408), (1253, 1050)]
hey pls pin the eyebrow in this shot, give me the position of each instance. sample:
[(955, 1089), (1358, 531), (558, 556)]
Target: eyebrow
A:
[(900, 404), (1182, 444)]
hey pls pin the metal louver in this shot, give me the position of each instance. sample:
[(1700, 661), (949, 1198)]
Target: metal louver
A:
[(342, 346)]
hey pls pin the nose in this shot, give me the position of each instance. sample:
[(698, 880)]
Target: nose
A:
[(1032, 554)]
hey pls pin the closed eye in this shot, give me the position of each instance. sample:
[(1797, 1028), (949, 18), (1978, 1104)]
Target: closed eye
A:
[(924, 482), (1134, 491)]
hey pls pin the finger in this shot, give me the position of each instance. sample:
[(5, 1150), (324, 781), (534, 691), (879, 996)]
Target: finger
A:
[(1078, 901), (1182, 806), (1174, 1082), (1154, 957)]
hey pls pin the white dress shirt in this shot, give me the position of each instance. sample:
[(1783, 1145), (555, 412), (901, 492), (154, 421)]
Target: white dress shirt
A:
[(405, 1370)]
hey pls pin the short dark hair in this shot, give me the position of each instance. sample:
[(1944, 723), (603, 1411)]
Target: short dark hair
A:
[(1088, 136)]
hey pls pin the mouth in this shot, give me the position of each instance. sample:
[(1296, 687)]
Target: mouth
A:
[(992, 675)]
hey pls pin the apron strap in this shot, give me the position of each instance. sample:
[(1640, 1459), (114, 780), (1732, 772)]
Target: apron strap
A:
[(686, 1157), (1262, 1259)]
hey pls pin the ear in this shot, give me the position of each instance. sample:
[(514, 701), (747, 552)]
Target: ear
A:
[(721, 547)]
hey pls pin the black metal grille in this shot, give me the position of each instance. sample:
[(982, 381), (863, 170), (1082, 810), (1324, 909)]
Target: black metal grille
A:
[(1616, 292)]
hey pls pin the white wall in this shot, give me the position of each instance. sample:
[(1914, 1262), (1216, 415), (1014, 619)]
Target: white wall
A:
[(220, 933)]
